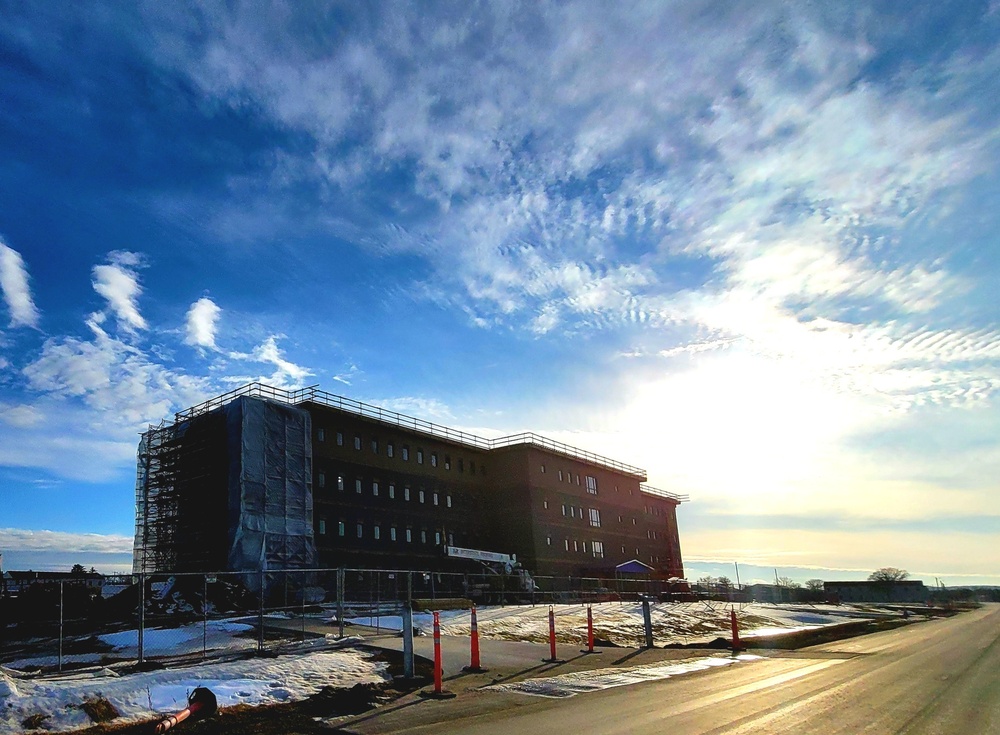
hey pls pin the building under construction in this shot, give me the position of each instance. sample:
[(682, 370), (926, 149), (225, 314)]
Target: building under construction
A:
[(266, 479)]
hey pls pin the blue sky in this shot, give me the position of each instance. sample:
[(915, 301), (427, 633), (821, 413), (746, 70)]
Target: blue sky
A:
[(751, 249)]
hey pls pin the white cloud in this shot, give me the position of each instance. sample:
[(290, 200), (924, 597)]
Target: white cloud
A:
[(287, 374), (16, 292), (19, 539), (202, 318), (119, 284)]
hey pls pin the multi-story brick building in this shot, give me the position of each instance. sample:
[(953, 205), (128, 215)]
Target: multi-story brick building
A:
[(264, 478)]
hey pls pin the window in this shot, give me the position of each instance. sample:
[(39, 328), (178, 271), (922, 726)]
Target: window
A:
[(409, 535), (357, 486), (598, 548), (577, 479), (564, 509), (320, 435), (636, 552), (472, 468), (423, 536), (377, 531), (340, 483), (566, 544), (548, 541), (406, 492), (406, 453), (461, 465), (583, 546), (623, 551), (542, 469), (633, 521), (357, 442), (392, 491), (435, 498), (447, 500), (545, 504), (595, 518), (434, 459), (576, 546), (388, 449), (322, 526), (420, 456), (374, 446), (341, 528), (591, 484), (579, 512), (447, 462), (361, 530), (420, 496), (451, 539), (649, 534), (322, 479), (560, 475), (619, 519), (375, 488), (392, 533), (340, 438), (437, 538)]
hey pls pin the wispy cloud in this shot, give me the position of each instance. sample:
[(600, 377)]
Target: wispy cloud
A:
[(202, 319), (118, 282), (16, 291)]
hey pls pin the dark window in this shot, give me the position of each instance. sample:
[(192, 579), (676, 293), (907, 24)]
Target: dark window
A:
[(388, 449), (392, 491), (377, 532), (322, 526), (361, 530), (420, 496), (341, 528), (591, 484), (357, 485), (423, 537), (322, 479), (472, 468), (461, 465), (375, 488), (447, 500), (374, 446), (435, 498), (406, 453), (409, 535), (340, 438), (321, 435), (447, 462), (434, 459), (357, 442), (340, 483), (420, 456), (392, 533)]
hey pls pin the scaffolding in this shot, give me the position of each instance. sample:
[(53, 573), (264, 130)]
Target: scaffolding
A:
[(229, 488)]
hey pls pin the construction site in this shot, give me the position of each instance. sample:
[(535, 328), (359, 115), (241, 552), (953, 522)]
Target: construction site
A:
[(263, 479)]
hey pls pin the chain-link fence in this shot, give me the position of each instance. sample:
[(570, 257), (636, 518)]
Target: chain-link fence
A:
[(147, 618)]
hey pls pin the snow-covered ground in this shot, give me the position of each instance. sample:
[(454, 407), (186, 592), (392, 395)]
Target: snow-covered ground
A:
[(622, 623), (318, 662), (142, 696)]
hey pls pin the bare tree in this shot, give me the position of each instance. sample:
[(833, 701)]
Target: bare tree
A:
[(787, 582), (815, 585), (888, 574)]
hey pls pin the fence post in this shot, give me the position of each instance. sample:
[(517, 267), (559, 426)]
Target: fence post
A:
[(142, 616), (647, 623), (407, 641), (204, 616), (60, 625), (260, 616), (340, 600)]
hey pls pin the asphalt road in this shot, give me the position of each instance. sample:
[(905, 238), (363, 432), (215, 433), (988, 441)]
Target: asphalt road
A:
[(936, 677)]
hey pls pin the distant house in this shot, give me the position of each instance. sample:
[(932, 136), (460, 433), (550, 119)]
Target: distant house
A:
[(910, 590), (16, 582)]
